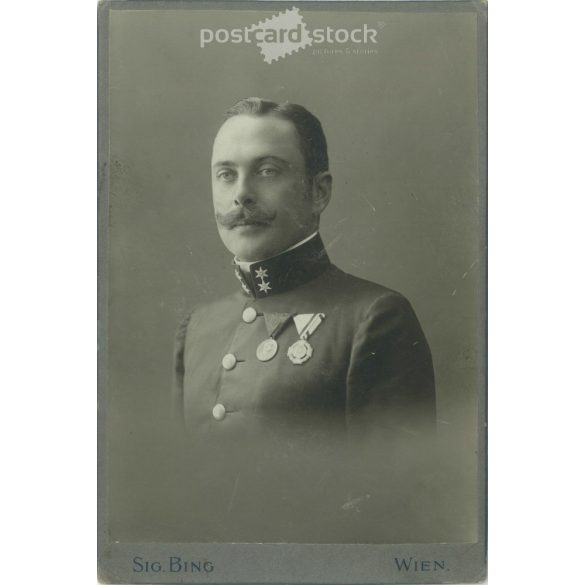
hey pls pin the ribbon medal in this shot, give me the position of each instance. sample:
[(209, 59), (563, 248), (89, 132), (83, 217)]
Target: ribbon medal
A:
[(301, 351), (269, 347)]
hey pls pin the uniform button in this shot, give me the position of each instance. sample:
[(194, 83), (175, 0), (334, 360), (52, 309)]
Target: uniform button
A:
[(249, 314), (229, 361), (218, 412)]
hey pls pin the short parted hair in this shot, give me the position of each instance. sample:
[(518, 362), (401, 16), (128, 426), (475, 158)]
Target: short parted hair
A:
[(310, 132)]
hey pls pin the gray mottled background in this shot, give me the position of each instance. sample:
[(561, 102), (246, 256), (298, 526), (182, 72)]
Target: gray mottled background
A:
[(406, 212)]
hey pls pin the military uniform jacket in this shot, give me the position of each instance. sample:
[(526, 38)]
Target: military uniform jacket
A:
[(272, 432), (369, 370)]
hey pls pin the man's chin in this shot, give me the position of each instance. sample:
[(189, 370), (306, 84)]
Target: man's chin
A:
[(250, 251), (251, 254), (244, 241)]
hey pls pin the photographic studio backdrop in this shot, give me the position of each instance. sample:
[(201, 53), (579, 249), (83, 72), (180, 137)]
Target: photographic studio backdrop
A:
[(407, 212)]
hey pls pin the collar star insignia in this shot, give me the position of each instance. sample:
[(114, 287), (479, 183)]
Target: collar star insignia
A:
[(285, 271), (264, 287), (261, 273)]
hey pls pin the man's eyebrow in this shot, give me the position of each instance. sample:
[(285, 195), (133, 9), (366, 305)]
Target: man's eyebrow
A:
[(224, 163), (260, 159), (270, 157)]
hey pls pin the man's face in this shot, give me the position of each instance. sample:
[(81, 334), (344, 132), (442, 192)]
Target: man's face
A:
[(262, 200)]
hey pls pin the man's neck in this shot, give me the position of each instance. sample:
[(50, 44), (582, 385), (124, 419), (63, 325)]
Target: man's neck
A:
[(245, 266)]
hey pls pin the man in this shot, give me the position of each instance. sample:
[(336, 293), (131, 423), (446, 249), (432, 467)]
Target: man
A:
[(303, 367)]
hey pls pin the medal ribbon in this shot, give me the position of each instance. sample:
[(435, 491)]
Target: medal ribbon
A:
[(311, 326), (279, 328)]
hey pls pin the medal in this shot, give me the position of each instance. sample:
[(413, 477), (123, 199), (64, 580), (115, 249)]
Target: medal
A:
[(299, 352), (267, 349)]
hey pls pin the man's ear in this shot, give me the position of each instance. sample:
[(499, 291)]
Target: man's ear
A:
[(321, 191)]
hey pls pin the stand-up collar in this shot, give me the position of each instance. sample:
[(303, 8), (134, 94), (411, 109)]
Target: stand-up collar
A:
[(285, 271)]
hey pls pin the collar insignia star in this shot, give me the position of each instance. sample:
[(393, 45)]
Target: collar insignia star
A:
[(264, 287), (261, 273)]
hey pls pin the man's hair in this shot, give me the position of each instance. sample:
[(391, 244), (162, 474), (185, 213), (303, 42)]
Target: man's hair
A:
[(312, 140)]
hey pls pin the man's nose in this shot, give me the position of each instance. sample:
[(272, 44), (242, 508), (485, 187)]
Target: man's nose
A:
[(244, 195)]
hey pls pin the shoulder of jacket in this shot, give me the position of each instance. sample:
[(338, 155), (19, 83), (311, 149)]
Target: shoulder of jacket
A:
[(370, 295), (213, 306), (390, 300)]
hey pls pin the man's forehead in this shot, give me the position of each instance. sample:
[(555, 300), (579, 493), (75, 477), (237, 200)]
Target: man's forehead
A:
[(244, 137)]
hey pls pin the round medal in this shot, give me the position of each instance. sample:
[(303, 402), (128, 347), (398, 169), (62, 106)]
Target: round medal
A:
[(267, 350), (300, 351)]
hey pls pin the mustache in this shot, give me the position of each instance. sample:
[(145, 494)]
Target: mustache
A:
[(244, 216)]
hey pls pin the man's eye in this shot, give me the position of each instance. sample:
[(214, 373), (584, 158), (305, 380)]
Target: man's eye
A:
[(268, 172), (226, 175)]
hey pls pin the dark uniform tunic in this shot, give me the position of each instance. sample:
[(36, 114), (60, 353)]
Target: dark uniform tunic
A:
[(304, 430)]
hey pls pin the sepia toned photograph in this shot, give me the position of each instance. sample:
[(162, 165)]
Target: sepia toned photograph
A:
[(292, 292)]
